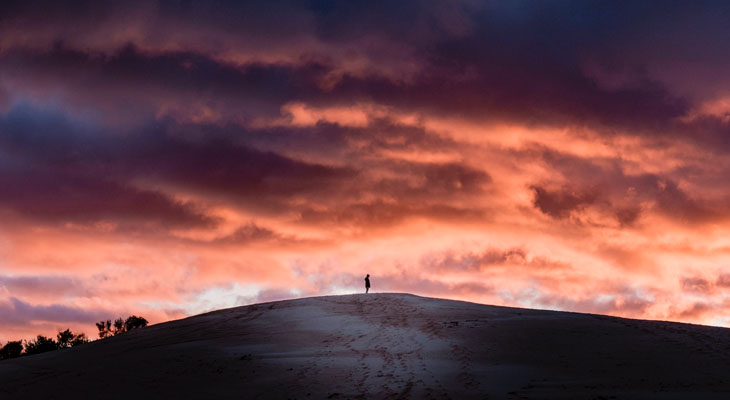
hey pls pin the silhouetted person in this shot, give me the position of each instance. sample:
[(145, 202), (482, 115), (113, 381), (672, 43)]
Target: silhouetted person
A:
[(367, 283)]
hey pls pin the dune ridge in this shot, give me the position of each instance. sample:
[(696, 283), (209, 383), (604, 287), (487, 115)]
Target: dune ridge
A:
[(386, 346)]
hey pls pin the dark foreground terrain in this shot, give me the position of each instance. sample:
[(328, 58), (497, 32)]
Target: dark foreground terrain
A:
[(385, 346)]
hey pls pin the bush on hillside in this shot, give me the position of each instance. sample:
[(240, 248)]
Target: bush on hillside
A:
[(11, 349), (134, 322), (40, 344), (107, 328), (68, 339)]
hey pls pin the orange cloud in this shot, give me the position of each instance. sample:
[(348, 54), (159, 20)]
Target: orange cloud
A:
[(146, 169)]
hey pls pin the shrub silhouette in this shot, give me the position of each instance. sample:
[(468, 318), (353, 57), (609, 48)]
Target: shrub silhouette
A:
[(79, 339), (11, 349), (134, 322), (41, 344), (67, 339), (120, 325), (64, 339), (105, 328)]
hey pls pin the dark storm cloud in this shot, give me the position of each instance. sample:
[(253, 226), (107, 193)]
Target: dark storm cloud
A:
[(521, 92), (525, 62), (130, 85), (91, 173), (559, 203), (268, 181), (520, 62), (59, 170), (337, 141), (52, 172), (218, 166), (603, 184), (428, 182), (535, 63), (57, 197)]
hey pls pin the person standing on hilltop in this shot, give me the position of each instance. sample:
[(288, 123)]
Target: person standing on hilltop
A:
[(367, 283)]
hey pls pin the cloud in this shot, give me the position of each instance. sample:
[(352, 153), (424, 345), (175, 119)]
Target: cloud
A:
[(696, 284), (382, 214), (697, 310), (622, 301), (189, 87), (252, 233), (268, 295), (94, 176), (89, 199), (558, 204), (551, 154), (604, 185), (433, 180), (723, 280), (515, 259), (249, 233), (233, 80), (404, 282), (17, 311), (53, 286), (89, 171)]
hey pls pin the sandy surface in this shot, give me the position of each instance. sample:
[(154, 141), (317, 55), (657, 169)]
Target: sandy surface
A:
[(386, 346)]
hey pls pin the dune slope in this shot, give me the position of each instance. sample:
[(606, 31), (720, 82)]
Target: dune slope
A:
[(386, 346)]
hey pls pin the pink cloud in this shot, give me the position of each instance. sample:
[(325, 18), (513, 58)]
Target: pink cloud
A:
[(286, 150)]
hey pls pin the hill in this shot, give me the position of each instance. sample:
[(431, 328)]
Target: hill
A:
[(385, 346)]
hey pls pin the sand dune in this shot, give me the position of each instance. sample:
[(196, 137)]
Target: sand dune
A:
[(386, 346)]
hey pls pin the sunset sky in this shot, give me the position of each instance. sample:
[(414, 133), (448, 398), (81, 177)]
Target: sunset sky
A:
[(169, 158)]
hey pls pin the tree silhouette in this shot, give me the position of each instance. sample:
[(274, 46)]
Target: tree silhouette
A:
[(11, 349), (64, 339), (67, 339), (120, 325), (41, 344), (105, 328), (134, 322), (79, 339)]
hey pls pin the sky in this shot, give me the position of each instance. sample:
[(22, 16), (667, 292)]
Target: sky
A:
[(169, 158)]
